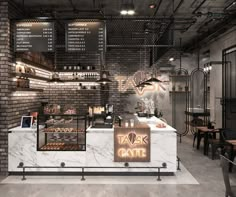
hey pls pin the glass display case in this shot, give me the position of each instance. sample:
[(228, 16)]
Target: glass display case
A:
[(62, 132)]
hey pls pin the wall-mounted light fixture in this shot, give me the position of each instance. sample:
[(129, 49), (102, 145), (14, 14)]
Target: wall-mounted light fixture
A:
[(152, 5), (127, 8), (232, 4), (207, 68)]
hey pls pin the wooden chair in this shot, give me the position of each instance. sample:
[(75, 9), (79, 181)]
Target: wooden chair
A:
[(195, 123), (230, 190), (215, 144)]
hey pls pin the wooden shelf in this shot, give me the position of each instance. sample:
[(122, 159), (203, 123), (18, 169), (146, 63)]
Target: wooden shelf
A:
[(27, 89), (88, 90), (81, 133), (197, 113), (193, 125), (179, 91), (38, 65), (30, 76), (82, 80), (179, 75), (78, 71)]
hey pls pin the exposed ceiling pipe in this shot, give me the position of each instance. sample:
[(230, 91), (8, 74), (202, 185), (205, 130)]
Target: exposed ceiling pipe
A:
[(157, 8), (72, 5), (214, 32), (197, 8), (230, 5), (169, 24), (180, 3), (172, 16)]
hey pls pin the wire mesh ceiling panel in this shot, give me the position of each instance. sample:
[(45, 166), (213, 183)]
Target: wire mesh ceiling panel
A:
[(139, 33)]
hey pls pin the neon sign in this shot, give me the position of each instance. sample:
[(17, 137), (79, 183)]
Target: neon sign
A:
[(132, 144), (125, 83)]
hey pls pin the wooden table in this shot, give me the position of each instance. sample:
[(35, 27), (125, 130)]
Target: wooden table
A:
[(232, 144), (206, 132)]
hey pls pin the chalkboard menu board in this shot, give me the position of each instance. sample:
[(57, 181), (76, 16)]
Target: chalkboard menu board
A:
[(34, 36), (85, 36)]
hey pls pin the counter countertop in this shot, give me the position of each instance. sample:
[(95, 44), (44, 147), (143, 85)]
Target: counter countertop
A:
[(151, 122), (99, 130), (24, 130)]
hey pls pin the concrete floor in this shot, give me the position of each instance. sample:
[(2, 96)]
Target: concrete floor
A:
[(206, 171)]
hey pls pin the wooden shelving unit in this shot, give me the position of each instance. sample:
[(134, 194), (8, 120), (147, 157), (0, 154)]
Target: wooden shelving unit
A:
[(179, 75), (82, 80), (27, 89), (30, 76), (78, 71), (179, 91), (38, 65)]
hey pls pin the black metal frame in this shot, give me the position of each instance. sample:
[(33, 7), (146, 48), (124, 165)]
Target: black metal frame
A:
[(78, 117), (62, 165), (185, 72), (226, 64), (204, 114)]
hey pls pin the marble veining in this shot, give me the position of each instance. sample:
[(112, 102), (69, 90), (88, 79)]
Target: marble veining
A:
[(99, 151)]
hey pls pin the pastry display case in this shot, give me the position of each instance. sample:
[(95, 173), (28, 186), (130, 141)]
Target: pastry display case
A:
[(62, 132)]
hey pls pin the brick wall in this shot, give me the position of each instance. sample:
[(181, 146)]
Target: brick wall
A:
[(123, 62), (4, 83), (12, 104)]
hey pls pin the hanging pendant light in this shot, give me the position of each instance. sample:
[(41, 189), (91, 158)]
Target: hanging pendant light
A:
[(104, 73), (153, 80), (104, 78), (143, 84), (55, 75)]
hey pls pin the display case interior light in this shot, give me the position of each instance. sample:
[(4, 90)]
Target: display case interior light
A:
[(39, 71), (36, 81), (24, 93)]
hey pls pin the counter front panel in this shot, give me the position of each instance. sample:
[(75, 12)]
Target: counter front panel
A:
[(132, 144)]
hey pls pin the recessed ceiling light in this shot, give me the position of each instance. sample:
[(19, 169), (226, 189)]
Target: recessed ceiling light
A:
[(152, 5), (127, 8), (130, 12), (123, 12)]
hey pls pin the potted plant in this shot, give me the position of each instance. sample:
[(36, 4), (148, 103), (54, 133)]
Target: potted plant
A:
[(180, 87), (173, 88), (186, 88)]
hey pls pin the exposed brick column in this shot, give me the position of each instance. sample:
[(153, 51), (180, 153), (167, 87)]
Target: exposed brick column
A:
[(4, 83)]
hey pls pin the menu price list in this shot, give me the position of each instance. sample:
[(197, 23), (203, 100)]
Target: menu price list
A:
[(34, 36), (85, 36)]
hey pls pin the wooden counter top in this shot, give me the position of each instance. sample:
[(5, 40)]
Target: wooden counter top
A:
[(136, 126)]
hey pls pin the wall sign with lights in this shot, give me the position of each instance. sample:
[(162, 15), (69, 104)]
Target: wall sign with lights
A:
[(34, 36), (132, 144)]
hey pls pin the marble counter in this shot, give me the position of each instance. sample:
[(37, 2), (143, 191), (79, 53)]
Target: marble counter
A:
[(99, 152), (25, 130)]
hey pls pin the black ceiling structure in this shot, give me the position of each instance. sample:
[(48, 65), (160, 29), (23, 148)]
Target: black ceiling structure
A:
[(193, 20)]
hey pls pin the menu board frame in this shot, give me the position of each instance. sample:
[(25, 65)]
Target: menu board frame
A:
[(86, 21), (15, 22)]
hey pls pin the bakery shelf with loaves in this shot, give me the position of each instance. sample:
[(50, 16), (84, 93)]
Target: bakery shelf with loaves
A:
[(62, 132)]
